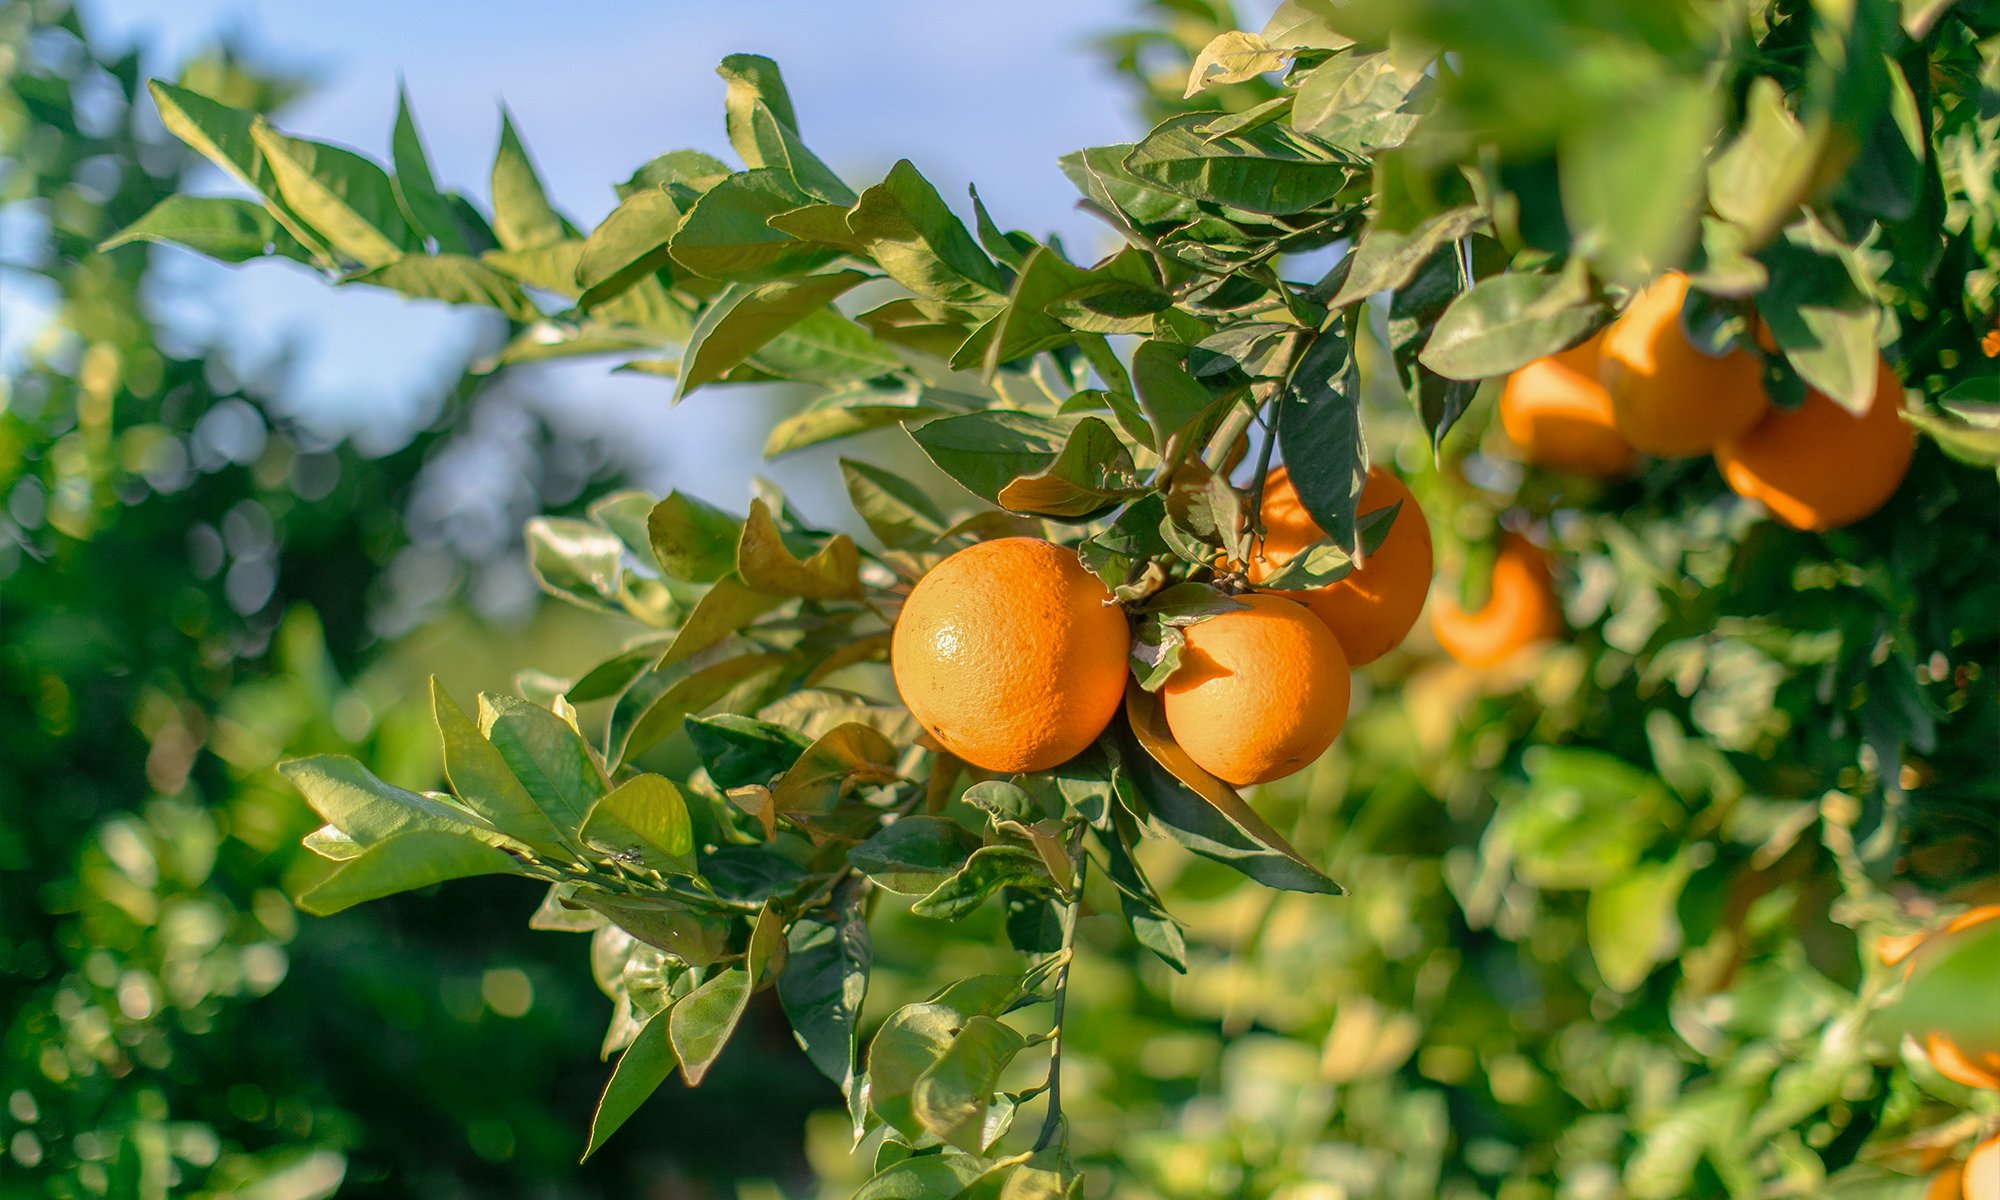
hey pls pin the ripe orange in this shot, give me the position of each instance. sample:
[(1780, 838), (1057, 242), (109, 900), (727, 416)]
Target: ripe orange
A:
[(1372, 609), (1818, 467), (1667, 397), (1011, 654), (1520, 609), (1981, 1180), (1558, 415), (1261, 691)]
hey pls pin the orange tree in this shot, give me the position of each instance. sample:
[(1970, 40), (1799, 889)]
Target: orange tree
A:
[(1612, 893)]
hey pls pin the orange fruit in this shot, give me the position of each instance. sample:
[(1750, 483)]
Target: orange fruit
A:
[(1011, 654), (1667, 397), (1373, 608), (1261, 691), (1944, 1184), (1818, 466), (1981, 1180), (1558, 415), (1520, 609)]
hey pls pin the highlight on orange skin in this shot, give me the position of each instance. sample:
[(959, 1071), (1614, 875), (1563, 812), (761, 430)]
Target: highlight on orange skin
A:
[(1520, 610), (1558, 415), (1668, 398), (1818, 466), (1373, 609)]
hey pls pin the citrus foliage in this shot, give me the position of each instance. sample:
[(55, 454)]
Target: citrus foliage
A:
[(1655, 982)]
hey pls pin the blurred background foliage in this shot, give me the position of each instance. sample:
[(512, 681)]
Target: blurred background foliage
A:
[(1772, 746)]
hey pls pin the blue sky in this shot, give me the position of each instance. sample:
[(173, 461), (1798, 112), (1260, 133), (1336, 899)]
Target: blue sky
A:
[(596, 89)]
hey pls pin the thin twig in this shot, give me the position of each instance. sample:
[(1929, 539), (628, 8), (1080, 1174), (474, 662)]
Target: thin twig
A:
[(1079, 865)]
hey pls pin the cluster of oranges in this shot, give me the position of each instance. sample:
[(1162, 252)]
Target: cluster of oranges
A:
[(1968, 1056), (1642, 387), (1014, 658)]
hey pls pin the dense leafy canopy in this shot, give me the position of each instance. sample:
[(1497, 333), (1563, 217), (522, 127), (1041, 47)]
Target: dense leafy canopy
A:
[(1612, 908)]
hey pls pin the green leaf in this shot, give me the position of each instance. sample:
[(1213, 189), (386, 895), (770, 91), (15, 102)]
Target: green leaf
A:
[(740, 750), (574, 559), (546, 754), (427, 211), (898, 512), (1631, 925), (953, 1098), (1507, 321), (1090, 475), (986, 451), (845, 413), (348, 797), (1632, 175), (693, 540), (1201, 812), (701, 1024), (838, 760), (654, 706), (825, 982), (403, 863), (690, 168), (1361, 103), (223, 228), (1762, 175), (921, 244), (913, 855), (453, 279), (928, 1178), (763, 562), (550, 268), (1386, 259), (726, 235), (746, 317), (765, 131), (729, 605), (1232, 57), (1820, 310), (222, 135), (641, 1070), (1320, 433), (346, 198), (644, 820), (484, 783), (1267, 170), (627, 246), (988, 870), (1583, 821), (1171, 398), (523, 218)]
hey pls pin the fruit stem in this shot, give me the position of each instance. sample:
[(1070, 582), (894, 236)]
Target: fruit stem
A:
[(1078, 864)]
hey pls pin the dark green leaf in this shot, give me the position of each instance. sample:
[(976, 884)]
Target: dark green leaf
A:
[(1091, 474), (914, 854), (641, 1070), (1506, 322), (630, 244), (739, 750), (954, 1095), (693, 540), (427, 210), (988, 870), (700, 1025), (1320, 434), (825, 982), (1264, 170)]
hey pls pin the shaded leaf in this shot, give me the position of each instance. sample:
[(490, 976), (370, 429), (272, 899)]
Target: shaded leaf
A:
[(914, 854), (744, 318)]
